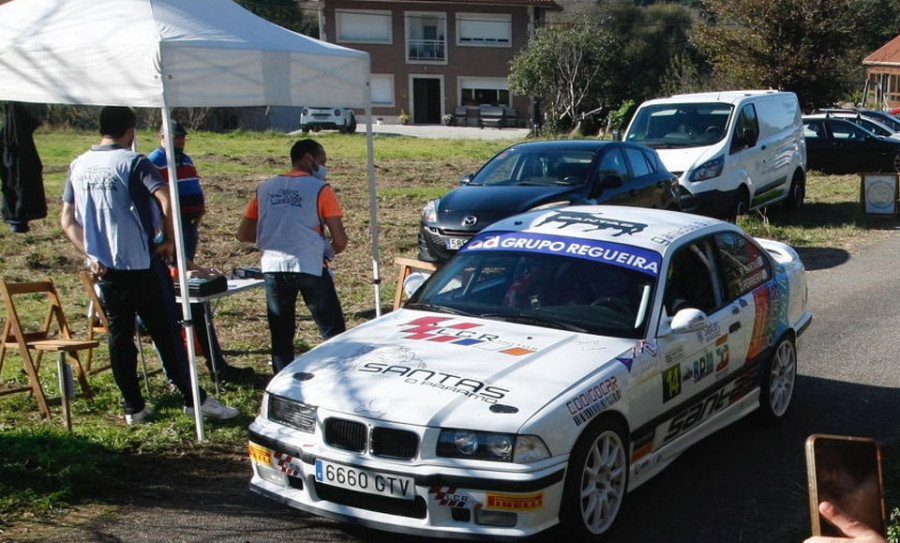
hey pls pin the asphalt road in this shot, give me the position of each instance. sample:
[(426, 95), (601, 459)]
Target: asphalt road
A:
[(746, 483)]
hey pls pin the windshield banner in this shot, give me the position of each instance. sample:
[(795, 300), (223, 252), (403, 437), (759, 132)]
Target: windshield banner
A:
[(617, 254)]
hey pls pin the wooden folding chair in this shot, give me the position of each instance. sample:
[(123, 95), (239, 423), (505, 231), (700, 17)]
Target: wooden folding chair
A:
[(407, 266), (53, 336), (98, 324)]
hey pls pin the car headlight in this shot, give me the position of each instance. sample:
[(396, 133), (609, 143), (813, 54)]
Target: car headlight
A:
[(709, 169), (429, 213), (490, 446), (292, 413)]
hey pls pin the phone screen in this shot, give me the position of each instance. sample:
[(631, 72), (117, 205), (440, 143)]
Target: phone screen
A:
[(845, 471)]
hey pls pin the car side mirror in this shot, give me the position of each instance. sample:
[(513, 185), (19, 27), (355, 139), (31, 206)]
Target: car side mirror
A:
[(466, 179), (689, 320)]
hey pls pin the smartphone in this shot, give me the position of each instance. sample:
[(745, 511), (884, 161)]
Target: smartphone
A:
[(845, 471)]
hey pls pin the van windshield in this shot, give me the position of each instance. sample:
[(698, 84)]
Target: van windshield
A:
[(670, 126)]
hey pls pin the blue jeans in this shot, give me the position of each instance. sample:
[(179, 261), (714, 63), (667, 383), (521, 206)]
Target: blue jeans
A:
[(149, 294), (320, 298)]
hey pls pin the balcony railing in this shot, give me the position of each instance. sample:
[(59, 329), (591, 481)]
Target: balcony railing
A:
[(426, 50)]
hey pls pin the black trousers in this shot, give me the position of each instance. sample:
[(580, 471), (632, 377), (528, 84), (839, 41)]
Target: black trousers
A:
[(150, 295)]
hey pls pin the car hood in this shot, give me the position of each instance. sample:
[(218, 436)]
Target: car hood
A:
[(431, 369), (683, 159), (505, 198)]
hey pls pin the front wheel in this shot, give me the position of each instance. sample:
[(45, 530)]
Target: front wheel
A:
[(778, 380), (740, 206), (596, 481)]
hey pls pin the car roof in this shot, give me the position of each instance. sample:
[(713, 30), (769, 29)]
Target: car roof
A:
[(730, 97), (654, 229), (590, 145)]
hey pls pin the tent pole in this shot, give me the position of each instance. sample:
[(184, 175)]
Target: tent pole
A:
[(181, 264), (373, 208)]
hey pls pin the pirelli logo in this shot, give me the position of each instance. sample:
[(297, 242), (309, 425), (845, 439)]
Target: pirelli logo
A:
[(260, 455), (514, 502)]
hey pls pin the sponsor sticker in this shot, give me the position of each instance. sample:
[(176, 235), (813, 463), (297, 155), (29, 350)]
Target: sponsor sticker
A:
[(451, 496), (514, 502), (617, 254), (461, 333), (260, 455)]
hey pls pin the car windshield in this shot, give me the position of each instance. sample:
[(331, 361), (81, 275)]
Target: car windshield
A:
[(669, 126), (564, 283), (537, 166)]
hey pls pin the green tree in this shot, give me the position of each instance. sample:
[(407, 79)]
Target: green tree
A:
[(285, 13), (803, 46), (566, 66)]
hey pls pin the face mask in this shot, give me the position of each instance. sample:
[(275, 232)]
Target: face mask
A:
[(320, 173)]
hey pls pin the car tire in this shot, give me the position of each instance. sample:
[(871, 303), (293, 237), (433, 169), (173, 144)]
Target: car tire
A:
[(305, 130), (596, 481), (741, 204), (797, 192), (778, 381), (351, 126), (897, 163)]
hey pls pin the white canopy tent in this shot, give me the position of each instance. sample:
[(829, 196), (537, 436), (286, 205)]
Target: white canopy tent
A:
[(177, 53)]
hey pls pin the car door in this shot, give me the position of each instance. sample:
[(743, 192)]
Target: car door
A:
[(612, 178), (699, 374), (853, 148), (645, 187), (819, 153)]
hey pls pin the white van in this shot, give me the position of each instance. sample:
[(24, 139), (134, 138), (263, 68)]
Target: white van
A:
[(732, 151)]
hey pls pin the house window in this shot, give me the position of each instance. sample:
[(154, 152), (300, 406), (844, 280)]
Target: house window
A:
[(426, 37), (484, 29), (382, 89), (476, 91), (361, 26)]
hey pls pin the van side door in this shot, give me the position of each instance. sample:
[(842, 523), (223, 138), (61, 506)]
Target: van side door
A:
[(746, 155)]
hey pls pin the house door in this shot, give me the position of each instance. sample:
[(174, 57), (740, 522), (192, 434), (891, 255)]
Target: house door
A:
[(426, 101)]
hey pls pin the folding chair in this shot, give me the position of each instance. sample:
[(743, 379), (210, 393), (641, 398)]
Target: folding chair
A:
[(48, 338), (406, 267)]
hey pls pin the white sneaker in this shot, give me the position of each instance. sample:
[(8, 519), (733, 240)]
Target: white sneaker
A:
[(140, 417), (211, 408)]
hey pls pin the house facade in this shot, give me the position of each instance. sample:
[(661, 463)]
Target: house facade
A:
[(431, 58), (883, 76)]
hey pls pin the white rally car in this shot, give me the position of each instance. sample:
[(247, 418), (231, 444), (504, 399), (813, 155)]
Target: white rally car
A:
[(561, 359)]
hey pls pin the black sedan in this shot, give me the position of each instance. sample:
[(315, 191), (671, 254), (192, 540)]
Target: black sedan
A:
[(537, 175), (839, 146)]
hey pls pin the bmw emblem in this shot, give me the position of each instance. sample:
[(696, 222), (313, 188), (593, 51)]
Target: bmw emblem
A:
[(470, 220)]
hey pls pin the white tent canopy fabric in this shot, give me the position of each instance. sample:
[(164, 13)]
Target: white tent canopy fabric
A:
[(169, 53), (176, 53)]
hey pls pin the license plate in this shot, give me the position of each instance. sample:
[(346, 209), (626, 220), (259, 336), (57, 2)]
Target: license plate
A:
[(363, 480), (455, 243)]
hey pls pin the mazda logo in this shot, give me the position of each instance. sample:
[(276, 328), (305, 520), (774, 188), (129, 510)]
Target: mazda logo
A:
[(470, 221)]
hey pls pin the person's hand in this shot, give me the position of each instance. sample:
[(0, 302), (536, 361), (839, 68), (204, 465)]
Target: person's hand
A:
[(852, 528), (97, 269), (166, 250)]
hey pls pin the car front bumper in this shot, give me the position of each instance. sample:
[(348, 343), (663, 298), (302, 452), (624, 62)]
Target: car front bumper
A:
[(447, 500), (437, 246)]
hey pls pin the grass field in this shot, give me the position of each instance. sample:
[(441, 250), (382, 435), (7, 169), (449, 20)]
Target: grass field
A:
[(37, 474)]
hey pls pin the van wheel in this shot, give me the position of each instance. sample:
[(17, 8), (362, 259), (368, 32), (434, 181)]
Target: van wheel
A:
[(741, 205), (797, 193), (596, 481)]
